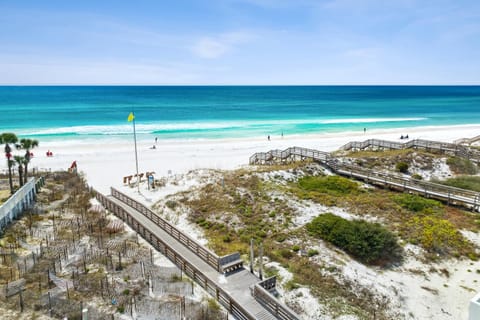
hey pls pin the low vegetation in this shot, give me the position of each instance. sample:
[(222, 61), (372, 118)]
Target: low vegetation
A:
[(462, 166), (368, 242), (418, 204), (438, 237), (237, 210), (402, 167), (464, 182), (333, 185)]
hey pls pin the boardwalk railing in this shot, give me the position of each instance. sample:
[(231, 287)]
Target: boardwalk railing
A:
[(261, 294), (445, 147), (467, 140), (290, 153), (223, 264), (206, 255), (188, 268), (451, 195), (17, 203)]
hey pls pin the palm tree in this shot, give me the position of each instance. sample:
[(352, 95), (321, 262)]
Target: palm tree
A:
[(7, 138), (21, 161), (27, 144)]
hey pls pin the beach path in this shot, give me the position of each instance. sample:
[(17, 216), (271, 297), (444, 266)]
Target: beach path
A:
[(235, 285)]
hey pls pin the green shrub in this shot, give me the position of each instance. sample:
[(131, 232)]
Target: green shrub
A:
[(464, 182), (281, 237), (416, 176), (291, 285), (296, 248), (462, 165), (333, 185), (416, 203), (171, 204), (312, 252), (402, 167), (285, 253), (368, 242)]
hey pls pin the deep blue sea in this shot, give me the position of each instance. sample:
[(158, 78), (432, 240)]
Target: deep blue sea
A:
[(209, 112)]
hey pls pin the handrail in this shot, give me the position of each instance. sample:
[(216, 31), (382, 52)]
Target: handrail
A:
[(206, 255), (467, 140), (269, 302), (292, 151)]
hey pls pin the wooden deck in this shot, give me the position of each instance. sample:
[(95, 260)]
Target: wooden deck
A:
[(450, 195), (237, 291)]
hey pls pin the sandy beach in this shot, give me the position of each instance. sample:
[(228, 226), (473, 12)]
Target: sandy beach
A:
[(105, 164)]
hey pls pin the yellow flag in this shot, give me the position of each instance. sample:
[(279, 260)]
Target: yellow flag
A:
[(131, 117)]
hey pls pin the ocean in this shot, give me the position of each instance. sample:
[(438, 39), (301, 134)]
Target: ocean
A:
[(50, 113)]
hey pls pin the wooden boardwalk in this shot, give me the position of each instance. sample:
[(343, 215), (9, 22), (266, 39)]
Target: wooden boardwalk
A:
[(450, 195), (443, 147), (468, 141), (244, 295)]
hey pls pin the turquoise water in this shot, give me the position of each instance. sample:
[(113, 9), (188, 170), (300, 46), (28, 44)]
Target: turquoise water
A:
[(209, 112)]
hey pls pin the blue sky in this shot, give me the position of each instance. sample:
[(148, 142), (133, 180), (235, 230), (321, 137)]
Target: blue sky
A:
[(240, 42)]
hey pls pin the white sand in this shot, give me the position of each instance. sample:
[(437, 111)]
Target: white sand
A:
[(106, 163)]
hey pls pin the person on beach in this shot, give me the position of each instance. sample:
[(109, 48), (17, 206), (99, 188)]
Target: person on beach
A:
[(364, 130), (268, 137), (282, 134), (156, 140)]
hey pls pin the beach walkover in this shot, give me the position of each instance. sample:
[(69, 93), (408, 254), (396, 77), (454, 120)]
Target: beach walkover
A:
[(243, 294), (450, 195)]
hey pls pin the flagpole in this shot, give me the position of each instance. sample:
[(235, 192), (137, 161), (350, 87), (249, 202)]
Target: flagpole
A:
[(136, 156)]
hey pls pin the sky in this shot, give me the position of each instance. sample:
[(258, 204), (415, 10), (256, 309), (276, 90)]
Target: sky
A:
[(240, 42)]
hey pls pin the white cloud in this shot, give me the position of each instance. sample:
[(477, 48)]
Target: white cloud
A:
[(210, 48), (215, 47)]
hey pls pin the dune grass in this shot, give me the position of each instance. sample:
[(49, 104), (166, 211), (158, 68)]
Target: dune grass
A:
[(464, 182)]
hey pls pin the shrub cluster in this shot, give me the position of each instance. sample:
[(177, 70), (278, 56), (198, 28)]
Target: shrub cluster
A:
[(334, 185), (402, 167), (464, 182), (368, 242), (462, 165), (416, 203)]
